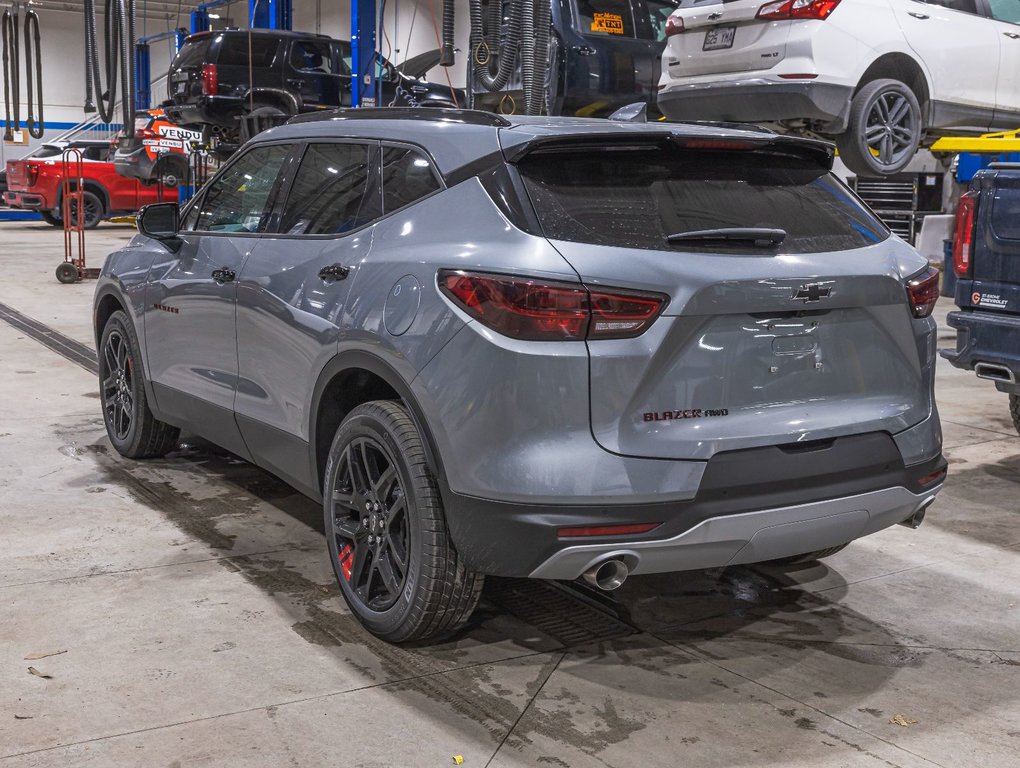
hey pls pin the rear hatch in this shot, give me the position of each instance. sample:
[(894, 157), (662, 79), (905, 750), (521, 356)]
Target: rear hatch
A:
[(185, 78), (759, 344), (726, 37), (18, 175), (996, 244)]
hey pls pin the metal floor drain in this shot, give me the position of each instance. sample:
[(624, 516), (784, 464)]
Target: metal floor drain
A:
[(570, 619)]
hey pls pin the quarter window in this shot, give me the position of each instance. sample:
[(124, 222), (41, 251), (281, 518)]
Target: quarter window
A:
[(234, 50), (334, 192), (1005, 10), (407, 176), (236, 201)]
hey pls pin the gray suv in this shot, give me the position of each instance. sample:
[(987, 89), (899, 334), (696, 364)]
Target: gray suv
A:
[(542, 347)]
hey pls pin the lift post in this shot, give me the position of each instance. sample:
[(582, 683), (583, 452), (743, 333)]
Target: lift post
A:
[(271, 14), (200, 16), (363, 30), (143, 64)]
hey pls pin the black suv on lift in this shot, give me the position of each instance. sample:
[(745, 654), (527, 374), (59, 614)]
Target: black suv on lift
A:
[(214, 81)]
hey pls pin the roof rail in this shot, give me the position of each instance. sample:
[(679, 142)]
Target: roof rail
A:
[(1004, 166), (443, 114)]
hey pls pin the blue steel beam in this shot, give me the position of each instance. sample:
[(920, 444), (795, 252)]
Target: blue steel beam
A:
[(143, 64), (363, 21), (271, 14)]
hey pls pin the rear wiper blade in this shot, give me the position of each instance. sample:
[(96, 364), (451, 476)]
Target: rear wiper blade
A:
[(759, 237)]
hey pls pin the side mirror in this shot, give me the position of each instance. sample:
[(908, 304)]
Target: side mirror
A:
[(161, 221)]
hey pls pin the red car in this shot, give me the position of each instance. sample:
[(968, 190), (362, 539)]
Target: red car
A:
[(34, 183)]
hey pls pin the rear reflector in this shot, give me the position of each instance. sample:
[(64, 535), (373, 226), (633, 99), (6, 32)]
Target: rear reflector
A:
[(798, 9), (933, 478), (963, 237), (674, 26), (607, 530), (542, 310), (923, 292)]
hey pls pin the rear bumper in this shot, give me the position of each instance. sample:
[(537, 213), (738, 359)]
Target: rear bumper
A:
[(987, 342), (755, 100), (752, 537), (134, 163), (27, 200), (723, 525), (207, 110)]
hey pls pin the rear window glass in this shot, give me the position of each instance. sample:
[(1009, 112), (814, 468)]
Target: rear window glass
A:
[(234, 51), (192, 53), (1006, 212), (637, 197)]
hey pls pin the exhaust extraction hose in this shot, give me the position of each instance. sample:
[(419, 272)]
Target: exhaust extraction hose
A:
[(446, 54), (12, 75), (506, 48), (118, 45), (33, 43)]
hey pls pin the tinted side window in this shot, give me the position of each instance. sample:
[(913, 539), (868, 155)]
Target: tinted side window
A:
[(637, 198), (407, 176), (234, 51), (658, 13), (1005, 10), (312, 56), (334, 192), (237, 200), (611, 18), (965, 6), (1006, 212)]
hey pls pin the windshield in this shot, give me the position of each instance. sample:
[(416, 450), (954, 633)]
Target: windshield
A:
[(637, 197)]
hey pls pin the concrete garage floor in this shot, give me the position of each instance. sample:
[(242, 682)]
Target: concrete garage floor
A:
[(195, 620)]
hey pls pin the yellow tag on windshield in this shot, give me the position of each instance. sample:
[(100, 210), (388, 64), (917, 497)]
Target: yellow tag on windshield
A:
[(607, 22)]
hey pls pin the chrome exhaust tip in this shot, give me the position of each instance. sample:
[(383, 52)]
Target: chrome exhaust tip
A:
[(607, 575), (915, 520)]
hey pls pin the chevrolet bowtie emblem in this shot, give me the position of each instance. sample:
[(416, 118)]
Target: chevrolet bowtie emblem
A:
[(812, 292)]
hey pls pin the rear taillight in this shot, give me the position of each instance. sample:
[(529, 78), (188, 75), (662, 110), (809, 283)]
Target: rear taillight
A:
[(33, 174), (674, 26), (541, 310), (210, 80), (923, 291), (798, 9), (963, 238)]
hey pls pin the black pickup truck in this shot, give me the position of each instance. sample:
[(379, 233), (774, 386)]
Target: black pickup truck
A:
[(986, 260)]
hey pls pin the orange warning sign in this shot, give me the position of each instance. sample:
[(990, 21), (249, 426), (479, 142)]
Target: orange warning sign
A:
[(607, 22)]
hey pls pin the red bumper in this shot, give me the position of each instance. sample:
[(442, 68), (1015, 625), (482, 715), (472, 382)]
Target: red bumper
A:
[(29, 200)]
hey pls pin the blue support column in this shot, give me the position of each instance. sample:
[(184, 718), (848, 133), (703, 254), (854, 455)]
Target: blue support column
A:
[(271, 14), (143, 81), (199, 20), (363, 21)]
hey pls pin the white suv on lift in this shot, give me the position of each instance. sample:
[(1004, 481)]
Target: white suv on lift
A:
[(880, 77)]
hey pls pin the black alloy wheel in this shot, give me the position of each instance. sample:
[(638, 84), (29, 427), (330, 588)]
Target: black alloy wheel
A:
[(386, 530), (130, 424), (370, 524), (885, 129), (118, 386)]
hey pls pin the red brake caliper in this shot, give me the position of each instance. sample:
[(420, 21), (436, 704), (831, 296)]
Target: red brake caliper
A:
[(346, 558)]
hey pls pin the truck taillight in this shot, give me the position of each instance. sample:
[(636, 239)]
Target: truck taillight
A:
[(33, 174), (540, 310), (674, 26), (963, 237), (923, 291), (210, 80), (798, 9)]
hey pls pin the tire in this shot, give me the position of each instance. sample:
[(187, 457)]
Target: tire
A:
[(173, 171), (407, 583), (67, 273), (133, 430), (261, 117), (50, 218), (809, 557), (94, 210), (1014, 411), (884, 117)]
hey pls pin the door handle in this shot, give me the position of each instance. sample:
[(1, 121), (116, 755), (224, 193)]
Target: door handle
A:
[(921, 16), (224, 275), (1012, 35), (583, 50), (334, 272)]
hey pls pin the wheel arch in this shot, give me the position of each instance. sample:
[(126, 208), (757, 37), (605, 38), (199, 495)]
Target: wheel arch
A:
[(107, 302), (90, 185), (285, 100), (903, 67), (348, 380)]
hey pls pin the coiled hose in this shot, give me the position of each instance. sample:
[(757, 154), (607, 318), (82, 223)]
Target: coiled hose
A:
[(527, 52), (506, 50), (538, 102), (119, 45), (446, 55), (33, 42), (12, 74)]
